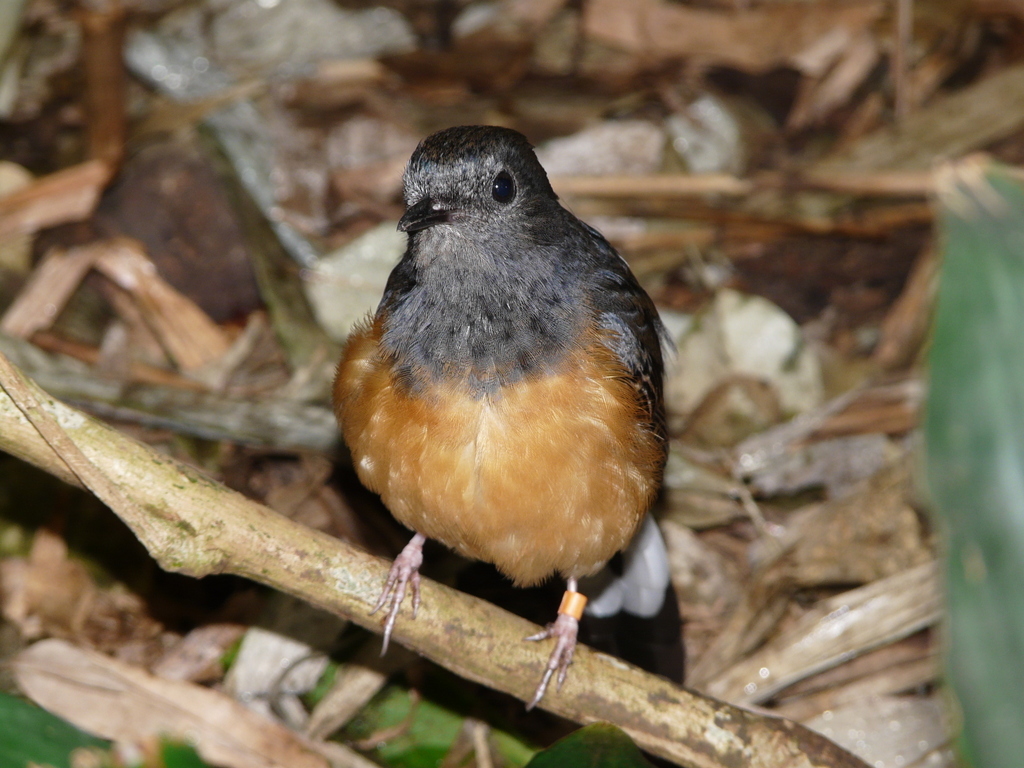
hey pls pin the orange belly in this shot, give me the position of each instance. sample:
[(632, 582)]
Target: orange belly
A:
[(552, 474)]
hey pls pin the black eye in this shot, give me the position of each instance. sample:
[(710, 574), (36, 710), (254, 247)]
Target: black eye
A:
[(503, 188)]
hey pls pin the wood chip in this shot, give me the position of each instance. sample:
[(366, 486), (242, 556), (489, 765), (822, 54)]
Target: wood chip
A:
[(48, 289), (836, 88), (185, 331), (906, 325), (188, 335), (68, 195)]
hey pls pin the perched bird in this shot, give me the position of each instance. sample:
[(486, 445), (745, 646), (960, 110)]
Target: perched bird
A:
[(506, 397)]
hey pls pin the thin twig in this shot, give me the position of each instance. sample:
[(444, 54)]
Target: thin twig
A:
[(683, 185), (102, 43), (901, 56)]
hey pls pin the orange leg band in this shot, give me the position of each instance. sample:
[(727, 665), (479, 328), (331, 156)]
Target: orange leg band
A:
[(573, 604)]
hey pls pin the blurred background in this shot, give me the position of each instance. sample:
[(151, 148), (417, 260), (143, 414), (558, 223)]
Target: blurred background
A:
[(199, 199)]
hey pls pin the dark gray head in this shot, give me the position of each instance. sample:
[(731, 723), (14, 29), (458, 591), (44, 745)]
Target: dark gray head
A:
[(499, 282), (474, 173)]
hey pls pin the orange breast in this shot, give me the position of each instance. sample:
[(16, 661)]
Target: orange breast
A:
[(553, 474)]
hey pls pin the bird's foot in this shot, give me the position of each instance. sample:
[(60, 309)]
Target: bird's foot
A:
[(564, 630), (404, 571)]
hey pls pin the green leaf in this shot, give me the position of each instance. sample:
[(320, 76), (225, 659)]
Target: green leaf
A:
[(29, 734), (974, 431), (430, 729), (323, 685), (600, 745), (177, 754)]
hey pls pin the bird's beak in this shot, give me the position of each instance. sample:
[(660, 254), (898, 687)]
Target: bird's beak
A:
[(426, 213)]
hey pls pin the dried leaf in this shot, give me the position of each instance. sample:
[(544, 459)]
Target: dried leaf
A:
[(197, 656), (891, 730), (834, 630), (117, 701), (187, 333), (949, 127), (755, 40), (67, 195), (46, 593), (52, 283), (904, 666), (836, 88), (866, 535)]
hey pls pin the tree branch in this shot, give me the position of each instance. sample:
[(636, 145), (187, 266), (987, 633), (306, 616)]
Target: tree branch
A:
[(192, 524)]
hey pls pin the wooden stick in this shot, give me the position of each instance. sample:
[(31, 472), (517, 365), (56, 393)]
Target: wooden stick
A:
[(901, 56), (681, 185), (194, 525), (138, 372), (102, 43), (652, 185), (739, 225)]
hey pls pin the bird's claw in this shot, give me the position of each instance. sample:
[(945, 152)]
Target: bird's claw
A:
[(564, 629), (405, 571)]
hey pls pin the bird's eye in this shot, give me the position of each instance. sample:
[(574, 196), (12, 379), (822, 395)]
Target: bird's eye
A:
[(504, 188)]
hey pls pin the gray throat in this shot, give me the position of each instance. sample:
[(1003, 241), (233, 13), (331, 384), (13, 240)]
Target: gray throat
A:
[(475, 316)]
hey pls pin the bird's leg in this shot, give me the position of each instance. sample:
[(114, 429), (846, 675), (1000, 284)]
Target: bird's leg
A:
[(564, 630), (405, 570)]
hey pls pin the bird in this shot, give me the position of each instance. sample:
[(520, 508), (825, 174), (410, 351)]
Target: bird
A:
[(506, 397)]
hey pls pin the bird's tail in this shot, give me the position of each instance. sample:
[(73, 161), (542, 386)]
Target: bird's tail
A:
[(632, 611)]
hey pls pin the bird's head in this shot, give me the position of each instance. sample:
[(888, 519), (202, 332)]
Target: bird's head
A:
[(474, 178)]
